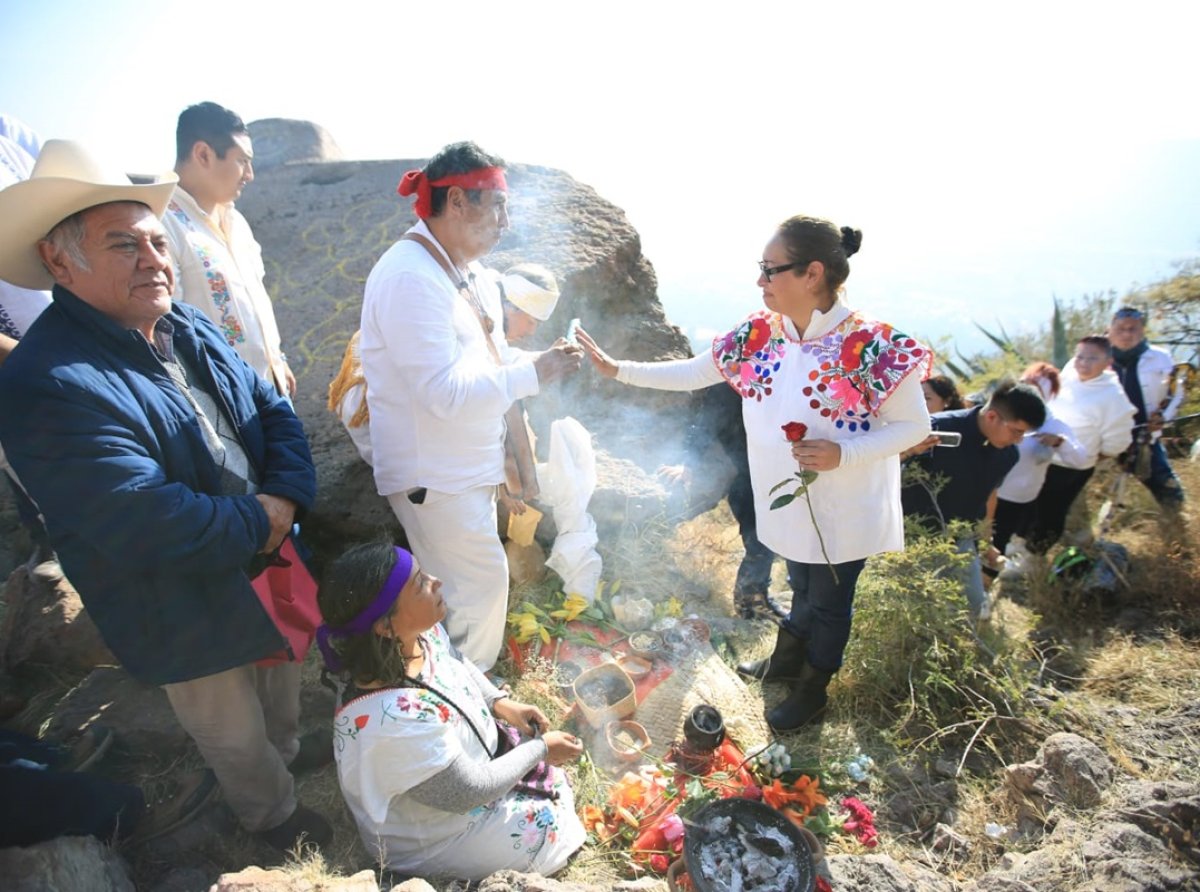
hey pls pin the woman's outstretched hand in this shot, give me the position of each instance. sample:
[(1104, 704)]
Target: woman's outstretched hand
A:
[(601, 361), (561, 747), (521, 716), (817, 455)]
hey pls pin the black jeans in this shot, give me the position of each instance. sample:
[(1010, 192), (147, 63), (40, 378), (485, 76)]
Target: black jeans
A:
[(822, 609), (1012, 519), (754, 573), (1053, 504)]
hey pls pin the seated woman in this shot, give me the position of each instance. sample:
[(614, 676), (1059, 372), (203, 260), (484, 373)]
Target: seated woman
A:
[(437, 786)]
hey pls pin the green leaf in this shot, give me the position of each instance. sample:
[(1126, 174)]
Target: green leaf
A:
[(808, 476), (778, 486), (783, 500)]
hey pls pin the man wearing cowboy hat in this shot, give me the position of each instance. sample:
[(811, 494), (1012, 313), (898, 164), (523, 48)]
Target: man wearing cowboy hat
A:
[(440, 382), (164, 466)]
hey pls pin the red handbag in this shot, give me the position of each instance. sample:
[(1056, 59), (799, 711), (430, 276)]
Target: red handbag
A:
[(288, 593)]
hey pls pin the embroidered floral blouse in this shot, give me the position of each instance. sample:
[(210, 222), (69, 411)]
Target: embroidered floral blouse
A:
[(849, 379), (390, 741)]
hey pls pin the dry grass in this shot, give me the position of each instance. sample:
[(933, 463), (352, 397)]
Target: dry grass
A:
[(1151, 662)]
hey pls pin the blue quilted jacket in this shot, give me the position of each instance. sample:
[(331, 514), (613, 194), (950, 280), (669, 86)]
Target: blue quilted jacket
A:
[(113, 455)]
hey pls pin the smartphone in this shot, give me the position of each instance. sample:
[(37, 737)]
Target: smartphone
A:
[(947, 438), (572, 327)]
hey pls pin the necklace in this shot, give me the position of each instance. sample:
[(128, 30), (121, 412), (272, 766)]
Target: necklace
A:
[(468, 291)]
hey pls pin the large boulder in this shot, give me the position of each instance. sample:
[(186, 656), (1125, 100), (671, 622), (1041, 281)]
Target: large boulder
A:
[(323, 226), (140, 713), (46, 622), (257, 879), (882, 873), (80, 863), (280, 141), (1069, 770)]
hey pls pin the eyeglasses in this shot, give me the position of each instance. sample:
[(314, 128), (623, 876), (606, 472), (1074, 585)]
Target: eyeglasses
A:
[(769, 271), (1011, 426), (1129, 313)]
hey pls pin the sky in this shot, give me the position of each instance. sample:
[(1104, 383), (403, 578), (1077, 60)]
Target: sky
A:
[(994, 155)]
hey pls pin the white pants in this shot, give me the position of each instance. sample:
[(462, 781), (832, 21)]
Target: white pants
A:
[(454, 538)]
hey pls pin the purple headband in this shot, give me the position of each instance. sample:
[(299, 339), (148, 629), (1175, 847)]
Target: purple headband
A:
[(378, 608)]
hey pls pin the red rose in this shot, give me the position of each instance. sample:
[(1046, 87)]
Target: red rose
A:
[(360, 721), (659, 863), (795, 431)]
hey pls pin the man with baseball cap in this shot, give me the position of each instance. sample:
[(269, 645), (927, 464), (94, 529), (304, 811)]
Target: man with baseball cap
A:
[(167, 470)]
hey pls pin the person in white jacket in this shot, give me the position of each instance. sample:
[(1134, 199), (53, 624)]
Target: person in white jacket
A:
[(1145, 372), (1016, 499), (828, 394), (1093, 404)]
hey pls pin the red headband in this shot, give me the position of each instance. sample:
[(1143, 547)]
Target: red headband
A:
[(416, 183)]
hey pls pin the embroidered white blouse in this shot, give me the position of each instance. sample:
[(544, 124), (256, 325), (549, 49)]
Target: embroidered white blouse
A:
[(219, 271), (847, 379)]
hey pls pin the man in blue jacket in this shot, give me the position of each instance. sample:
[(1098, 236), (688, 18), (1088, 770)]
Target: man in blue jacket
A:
[(167, 471)]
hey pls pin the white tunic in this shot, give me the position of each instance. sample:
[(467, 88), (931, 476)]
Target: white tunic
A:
[(436, 396), (856, 505), (219, 271)]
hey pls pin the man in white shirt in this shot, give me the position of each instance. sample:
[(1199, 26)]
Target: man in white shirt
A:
[(440, 379), (218, 264)]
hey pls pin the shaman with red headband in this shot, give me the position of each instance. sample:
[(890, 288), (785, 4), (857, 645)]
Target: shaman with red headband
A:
[(443, 384)]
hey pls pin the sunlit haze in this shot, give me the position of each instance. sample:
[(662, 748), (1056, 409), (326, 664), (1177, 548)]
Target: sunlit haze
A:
[(994, 155)]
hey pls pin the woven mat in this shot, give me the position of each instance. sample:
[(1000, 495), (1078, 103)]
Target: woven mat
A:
[(702, 677)]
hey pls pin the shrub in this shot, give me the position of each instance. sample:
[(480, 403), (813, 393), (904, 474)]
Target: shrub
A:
[(915, 663)]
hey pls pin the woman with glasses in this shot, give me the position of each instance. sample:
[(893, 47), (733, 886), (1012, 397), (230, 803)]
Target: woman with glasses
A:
[(829, 396), (1093, 404)]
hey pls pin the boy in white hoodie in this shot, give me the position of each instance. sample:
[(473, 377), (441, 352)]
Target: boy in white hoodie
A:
[(1093, 404)]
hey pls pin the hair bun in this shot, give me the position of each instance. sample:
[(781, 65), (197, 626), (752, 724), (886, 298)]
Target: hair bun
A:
[(851, 240)]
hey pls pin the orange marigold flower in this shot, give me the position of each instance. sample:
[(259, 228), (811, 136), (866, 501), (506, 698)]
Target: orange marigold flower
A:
[(805, 795)]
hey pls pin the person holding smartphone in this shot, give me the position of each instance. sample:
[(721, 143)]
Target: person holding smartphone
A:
[(824, 389), (957, 483)]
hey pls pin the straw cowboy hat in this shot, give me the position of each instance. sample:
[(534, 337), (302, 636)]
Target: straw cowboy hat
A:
[(65, 180), (528, 296)]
